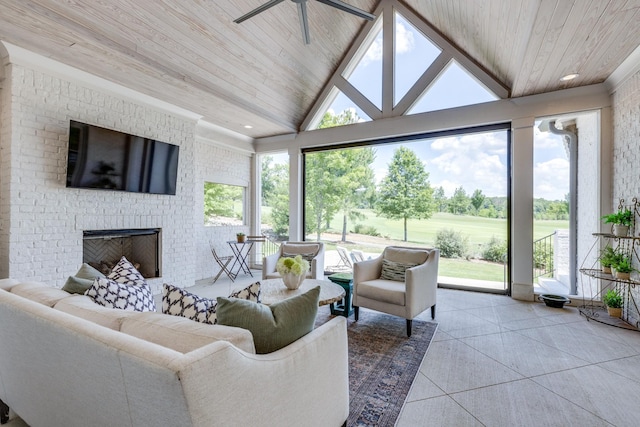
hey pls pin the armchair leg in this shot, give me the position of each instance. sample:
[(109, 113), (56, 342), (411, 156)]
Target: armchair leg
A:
[(4, 413), (409, 323), (356, 313), (433, 311)]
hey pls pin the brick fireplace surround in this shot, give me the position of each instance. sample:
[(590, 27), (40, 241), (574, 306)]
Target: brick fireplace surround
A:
[(42, 221)]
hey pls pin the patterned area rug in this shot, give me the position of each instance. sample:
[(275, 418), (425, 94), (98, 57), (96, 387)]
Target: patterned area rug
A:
[(382, 364)]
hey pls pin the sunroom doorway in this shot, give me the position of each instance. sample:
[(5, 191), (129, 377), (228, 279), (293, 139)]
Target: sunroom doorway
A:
[(449, 190)]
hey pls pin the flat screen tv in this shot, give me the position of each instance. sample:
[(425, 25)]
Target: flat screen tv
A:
[(106, 159)]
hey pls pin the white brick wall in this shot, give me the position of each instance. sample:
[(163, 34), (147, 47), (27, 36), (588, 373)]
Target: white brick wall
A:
[(626, 151), (41, 220)]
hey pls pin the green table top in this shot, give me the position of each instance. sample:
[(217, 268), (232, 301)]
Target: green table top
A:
[(341, 277)]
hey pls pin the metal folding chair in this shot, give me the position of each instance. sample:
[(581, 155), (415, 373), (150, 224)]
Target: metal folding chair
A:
[(223, 262)]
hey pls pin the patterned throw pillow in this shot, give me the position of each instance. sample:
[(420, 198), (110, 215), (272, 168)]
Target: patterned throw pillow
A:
[(179, 302), (308, 256), (124, 296), (394, 270), (125, 272)]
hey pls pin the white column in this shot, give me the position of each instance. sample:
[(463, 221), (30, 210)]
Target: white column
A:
[(295, 195), (522, 209)]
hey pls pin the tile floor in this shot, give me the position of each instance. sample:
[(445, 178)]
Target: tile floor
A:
[(496, 361), (499, 362)]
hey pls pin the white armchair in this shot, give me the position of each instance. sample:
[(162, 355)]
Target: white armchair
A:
[(311, 251), (401, 281)]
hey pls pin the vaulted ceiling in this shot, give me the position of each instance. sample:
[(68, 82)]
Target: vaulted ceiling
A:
[(190, 52)]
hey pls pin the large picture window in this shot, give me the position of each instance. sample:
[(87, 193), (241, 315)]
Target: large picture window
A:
[(223, 204), (447, 190)]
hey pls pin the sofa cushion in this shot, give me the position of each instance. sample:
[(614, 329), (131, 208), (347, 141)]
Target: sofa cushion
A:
[(124, 296), (406, 255), (82, 280), (7, 284), (40, 292), (180, 302), (389, 291), (182, 334), (83, 306), (392, 270), (273, 327)]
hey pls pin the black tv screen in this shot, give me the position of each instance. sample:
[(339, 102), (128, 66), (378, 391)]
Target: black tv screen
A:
[(106, 159)]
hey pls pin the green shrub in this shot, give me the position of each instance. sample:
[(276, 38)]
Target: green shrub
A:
[(452, 244), (495, 250), (366, 230), (543, 260)]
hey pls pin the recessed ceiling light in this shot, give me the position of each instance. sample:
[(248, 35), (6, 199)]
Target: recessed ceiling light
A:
[(569, 77), (248, 127)]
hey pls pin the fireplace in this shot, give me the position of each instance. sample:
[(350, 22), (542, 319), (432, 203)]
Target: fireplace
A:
[(102, 249)]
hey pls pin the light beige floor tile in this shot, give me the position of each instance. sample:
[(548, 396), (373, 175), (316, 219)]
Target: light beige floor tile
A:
[(610, 396), (516, 325), (628, 367), (505, 313), (523, 354), (438, 411), (423, 388), (462, 324), (454, 366), (441, 336), (628, 337), (524, 404), (582, 344)]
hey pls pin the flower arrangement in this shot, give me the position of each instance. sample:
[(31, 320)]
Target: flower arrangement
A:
[(297, 266)]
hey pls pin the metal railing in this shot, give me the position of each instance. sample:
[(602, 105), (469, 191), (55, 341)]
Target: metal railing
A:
[(262, 247), (543, 257)]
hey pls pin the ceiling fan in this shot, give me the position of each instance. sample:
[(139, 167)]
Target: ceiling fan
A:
[(302, 13)]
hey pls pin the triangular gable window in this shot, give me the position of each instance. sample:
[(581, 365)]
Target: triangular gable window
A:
[(342, 111), (366, 76), (413, 54), (408, 70), (455, 87)]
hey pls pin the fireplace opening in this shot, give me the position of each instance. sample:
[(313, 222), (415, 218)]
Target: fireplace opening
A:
[(102, 249)]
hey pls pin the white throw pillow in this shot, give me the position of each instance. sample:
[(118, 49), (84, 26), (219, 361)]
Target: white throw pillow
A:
[(123, 296), (125, 272)]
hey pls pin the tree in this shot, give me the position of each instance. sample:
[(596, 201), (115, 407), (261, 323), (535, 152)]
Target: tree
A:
[(440, 199), (477, 199), (405, 192), (274, 179), (459, 202)]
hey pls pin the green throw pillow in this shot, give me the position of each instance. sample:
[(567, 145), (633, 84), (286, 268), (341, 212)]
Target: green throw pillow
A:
[(275, 326), (76, 285), (82, 280)]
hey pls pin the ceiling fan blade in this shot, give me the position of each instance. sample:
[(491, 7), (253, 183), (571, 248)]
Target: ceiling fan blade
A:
[(348, 8), (304, 23), (257, 10)]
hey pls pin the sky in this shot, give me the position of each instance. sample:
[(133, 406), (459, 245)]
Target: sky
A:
[(475, 161)]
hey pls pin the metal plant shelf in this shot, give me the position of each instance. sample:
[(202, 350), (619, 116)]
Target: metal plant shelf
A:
[(599, 314)]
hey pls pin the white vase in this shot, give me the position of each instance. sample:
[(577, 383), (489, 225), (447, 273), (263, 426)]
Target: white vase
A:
[(292, 281), (620, 230)]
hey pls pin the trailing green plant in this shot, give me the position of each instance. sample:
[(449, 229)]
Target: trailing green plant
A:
[(623, 265), (612, 299), (624, 217), (451, 243)]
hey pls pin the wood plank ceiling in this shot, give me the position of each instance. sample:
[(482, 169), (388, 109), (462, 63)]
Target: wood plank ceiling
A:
[(259, 73)]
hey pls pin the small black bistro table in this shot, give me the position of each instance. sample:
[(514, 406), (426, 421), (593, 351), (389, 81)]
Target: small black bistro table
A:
[(343, 307)]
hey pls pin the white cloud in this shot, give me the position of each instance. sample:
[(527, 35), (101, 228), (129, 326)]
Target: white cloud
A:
[(551, 179), (405, 43)]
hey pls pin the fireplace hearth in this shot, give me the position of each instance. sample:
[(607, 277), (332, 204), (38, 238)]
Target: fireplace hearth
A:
[(103, 248)]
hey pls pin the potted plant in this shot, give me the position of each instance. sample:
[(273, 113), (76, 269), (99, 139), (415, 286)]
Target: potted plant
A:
[(623, 268), (613, 300), (292, 270), (621, 221), (607, 257), (241, 237)]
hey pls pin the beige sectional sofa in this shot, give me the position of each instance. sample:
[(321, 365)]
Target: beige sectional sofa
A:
[(65, 361)]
